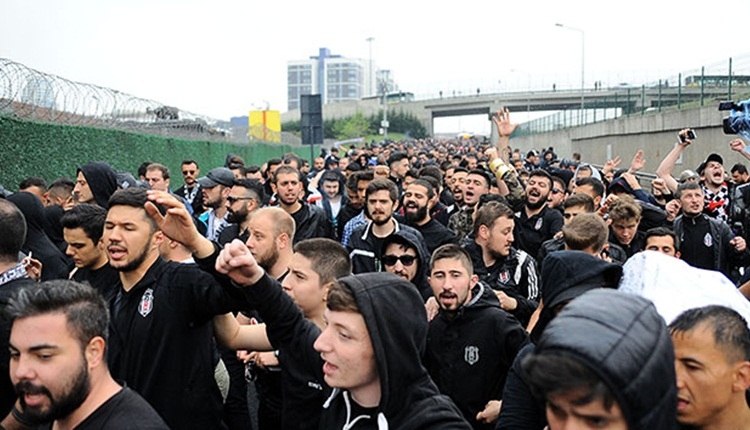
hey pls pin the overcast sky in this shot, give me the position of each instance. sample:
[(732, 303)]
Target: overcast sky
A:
[(222, 58)]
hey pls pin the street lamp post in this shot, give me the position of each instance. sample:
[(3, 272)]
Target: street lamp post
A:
[(370, 90), (384, 122), (583, 60)]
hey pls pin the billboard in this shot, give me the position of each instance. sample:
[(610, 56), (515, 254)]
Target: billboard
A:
[(264, 125)]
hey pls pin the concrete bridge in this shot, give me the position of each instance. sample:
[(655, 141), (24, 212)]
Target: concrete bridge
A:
[(630, 100)]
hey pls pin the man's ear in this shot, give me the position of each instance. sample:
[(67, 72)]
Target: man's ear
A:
[(94, 352), (741, 376)]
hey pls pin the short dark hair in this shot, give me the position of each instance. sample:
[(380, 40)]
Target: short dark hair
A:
[(596, 184), (285, 170), (586, 231), (556, 372), (424, 182), (381, 184), (432, 171), (452, 251), (328, 258), (254, 186), (32, 181), (160, 167), (739, 168), (661, 232), (12, 231), (62, 186), (396, 157), (88, 217), (190, 161), (729, 328), (135, 197), (85, 309), (488, 213), (484, 174), (687, 185), (543, 174), (584, 200)]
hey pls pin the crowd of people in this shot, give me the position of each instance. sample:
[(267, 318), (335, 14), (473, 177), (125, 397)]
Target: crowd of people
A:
[(431, 284)]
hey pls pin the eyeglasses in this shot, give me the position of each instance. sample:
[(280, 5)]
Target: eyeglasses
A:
[(405, 259), (569, 215), (556, 191), (188, 172), (232, 199)]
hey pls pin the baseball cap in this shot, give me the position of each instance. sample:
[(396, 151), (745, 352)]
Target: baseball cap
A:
[(711, 157), (217, 176)]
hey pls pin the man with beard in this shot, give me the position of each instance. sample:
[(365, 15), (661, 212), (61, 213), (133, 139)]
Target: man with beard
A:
[(161, 314), (215, 187), (467, 365), (536, 222), (310, 220), (333, 199), (245, 197), (398, 163), (405, 255), (705, 242), (456, 187), (511, 272), (476, 184), (58, 362), (366, 244), (418, 197), (191, 191)]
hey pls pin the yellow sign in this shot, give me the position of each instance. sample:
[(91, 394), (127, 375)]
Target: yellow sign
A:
[(265, 125)]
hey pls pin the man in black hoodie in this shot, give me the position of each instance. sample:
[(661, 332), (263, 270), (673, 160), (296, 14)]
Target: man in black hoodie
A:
[(467, 365), (606, 358), (95, 183), (405, 255), (369, 351)]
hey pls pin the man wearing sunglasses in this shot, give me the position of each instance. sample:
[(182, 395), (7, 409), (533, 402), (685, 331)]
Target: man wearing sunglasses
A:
[(191, 191), (405, 255)]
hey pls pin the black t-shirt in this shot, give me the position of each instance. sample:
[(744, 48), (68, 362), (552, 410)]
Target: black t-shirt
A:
[(124, 410), (530, 233), (102, 279)]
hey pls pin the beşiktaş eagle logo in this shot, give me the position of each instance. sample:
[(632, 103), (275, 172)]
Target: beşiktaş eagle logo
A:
[(147, 303), (471, 354)]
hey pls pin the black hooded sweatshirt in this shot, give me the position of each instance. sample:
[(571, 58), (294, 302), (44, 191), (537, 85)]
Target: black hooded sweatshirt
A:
[(407, 237), (54, 263), (102, 180), (624, 340), (466, 363), (565, 275), (397, 324)]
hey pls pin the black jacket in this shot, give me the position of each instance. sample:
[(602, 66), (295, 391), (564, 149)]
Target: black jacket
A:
[(625, 341), (529, 233), (516, 275), (397, 324), (466, 363), (311, 221), (161, 341), (725, 257)]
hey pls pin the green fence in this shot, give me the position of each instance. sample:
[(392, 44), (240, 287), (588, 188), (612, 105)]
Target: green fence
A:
[(52, 151)]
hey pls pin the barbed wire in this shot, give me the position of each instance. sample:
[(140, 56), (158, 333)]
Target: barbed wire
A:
[(35, 95)]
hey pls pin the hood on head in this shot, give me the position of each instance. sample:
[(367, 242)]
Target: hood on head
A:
[(102, 179), (407, 237), (623, 339), (397, 324), (568, 274)]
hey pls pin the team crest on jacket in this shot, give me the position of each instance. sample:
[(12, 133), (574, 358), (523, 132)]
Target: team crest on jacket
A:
[(538, 224), (471, 354), (504, 277), (707, 240), (147, 303)]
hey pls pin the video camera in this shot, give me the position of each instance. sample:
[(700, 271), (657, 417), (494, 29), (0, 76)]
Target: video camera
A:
[(738, 121)]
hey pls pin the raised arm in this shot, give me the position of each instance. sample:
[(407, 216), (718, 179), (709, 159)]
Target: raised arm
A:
[(177, 224), (666, 167)]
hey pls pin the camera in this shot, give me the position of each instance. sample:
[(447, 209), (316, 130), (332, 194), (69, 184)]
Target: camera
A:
[(738, 121)]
